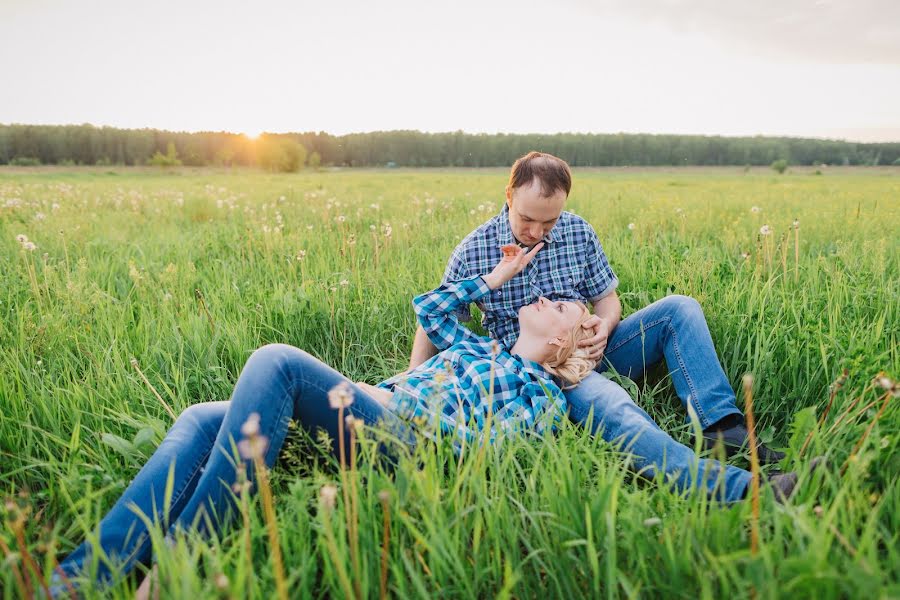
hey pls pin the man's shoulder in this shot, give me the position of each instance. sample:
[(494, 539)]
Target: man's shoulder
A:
[(575, 224), (480, 236)]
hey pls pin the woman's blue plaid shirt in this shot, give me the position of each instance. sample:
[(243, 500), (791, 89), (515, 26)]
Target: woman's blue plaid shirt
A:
[(472, 380)]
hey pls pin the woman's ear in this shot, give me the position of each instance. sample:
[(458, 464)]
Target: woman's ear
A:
[(558, 341)]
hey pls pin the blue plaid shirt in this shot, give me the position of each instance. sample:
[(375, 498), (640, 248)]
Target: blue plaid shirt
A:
[(570, 266), (467, 382)]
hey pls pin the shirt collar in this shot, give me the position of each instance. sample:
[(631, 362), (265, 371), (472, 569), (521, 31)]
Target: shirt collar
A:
[(534, 369), (505, 235)]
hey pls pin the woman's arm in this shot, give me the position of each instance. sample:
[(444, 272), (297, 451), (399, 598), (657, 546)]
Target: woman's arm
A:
[(437, 309)]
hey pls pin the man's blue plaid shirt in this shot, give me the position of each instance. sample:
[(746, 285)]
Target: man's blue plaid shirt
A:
[(467, 382), (570, 266)]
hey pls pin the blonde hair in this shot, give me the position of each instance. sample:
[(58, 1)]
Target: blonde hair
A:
[(571, 363)]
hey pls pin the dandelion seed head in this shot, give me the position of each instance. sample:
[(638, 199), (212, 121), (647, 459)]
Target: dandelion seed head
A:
[(818, 510), (765, 230), (344, 283), (384, 496), (631, 226), (30, 246), (755, 209), (21, 238), (221, 579), (796, 224), (301, 255), (251, 425), (328, 495), (340, 396), (341, 218), (254, 447)]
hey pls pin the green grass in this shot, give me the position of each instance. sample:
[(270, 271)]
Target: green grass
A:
[(121, 254)]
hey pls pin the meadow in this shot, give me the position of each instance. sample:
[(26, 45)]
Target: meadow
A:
[(135, 292)]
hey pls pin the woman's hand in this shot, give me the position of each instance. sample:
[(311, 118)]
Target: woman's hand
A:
[(513, 261), (380, 394)]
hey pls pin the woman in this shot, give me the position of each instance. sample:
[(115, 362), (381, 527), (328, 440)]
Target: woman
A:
[(470, 381)]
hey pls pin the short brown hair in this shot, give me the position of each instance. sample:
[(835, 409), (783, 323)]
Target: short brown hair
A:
[(552, 172)]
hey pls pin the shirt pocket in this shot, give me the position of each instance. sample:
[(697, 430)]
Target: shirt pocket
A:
[(563, 282)]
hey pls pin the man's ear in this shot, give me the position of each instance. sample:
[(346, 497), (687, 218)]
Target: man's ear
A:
[(509, 195), (558, 341)]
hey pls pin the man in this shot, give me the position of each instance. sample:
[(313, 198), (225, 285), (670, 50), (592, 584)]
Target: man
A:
[(573, 266)]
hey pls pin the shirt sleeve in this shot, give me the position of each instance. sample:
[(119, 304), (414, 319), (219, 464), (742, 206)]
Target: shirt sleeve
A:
[(457, 270), (437, 311), (599, 279)]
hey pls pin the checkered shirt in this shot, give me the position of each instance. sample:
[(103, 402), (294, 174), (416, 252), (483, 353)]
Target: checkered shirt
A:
[(570, 266), (468, 382)]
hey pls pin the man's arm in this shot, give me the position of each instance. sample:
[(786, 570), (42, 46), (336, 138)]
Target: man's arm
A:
[(422, 349), (609, 308)]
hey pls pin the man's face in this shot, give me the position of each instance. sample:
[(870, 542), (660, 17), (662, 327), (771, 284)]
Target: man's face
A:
[(531, 215)]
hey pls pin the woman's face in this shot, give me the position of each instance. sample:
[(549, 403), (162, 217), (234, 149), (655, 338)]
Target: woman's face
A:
[(549, 319)]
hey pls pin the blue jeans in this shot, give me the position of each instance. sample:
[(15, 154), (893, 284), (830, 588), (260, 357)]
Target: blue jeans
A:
[(280, 383), (671, 329)]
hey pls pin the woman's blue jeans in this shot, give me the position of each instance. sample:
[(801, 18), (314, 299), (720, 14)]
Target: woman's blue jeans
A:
[(280, 383), (671, 329)]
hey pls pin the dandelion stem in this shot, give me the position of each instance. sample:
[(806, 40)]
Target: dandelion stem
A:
[(25, 590), (886, 398), (754, 463), (134, 363), (262, 477), (385, 542), (838, 383)]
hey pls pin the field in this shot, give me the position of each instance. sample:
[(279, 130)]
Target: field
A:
[(188, 272)]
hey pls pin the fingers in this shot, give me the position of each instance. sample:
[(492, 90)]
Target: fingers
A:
[(592, 322), (592, 341), (531, 254)]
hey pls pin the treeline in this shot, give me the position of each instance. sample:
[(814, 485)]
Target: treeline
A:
[(89, 145)]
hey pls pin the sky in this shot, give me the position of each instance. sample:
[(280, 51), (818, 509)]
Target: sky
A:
[(789, 67)]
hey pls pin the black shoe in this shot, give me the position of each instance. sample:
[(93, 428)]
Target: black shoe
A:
[(734, 439), (783, 484)]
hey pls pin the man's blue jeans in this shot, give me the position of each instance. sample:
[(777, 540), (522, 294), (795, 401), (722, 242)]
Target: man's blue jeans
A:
[(672, 329), (280, 383)]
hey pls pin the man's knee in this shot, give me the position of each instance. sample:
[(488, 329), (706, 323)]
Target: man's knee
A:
[(682, 307)]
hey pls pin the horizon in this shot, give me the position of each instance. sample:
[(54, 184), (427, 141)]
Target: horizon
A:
[(523, 133), (800, 69)]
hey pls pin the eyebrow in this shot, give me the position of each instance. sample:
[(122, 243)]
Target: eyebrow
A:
[(524, 216)]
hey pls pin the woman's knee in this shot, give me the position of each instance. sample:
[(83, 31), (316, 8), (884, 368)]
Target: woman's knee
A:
[(282, 358)]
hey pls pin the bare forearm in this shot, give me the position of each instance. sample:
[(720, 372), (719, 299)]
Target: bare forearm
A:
[(609, 308), (422, 348)]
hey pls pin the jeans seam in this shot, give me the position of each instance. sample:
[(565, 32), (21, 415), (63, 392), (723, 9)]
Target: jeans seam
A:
[(687, 378), (136, 550), (668, 321)]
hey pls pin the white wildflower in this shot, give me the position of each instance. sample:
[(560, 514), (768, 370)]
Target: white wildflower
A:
[(765, 230), (340, 396), (327, 496), (755, 209), (631, 226)]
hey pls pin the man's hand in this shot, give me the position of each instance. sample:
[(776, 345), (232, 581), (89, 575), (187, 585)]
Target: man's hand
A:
[(597, 343), (513, 261)]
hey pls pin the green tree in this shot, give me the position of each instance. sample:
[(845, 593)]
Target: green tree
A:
[(169, 159), (315, 160), (780, 165), (277, 153)]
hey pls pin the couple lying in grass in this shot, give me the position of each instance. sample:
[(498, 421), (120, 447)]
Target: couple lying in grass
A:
[(532, 269)]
